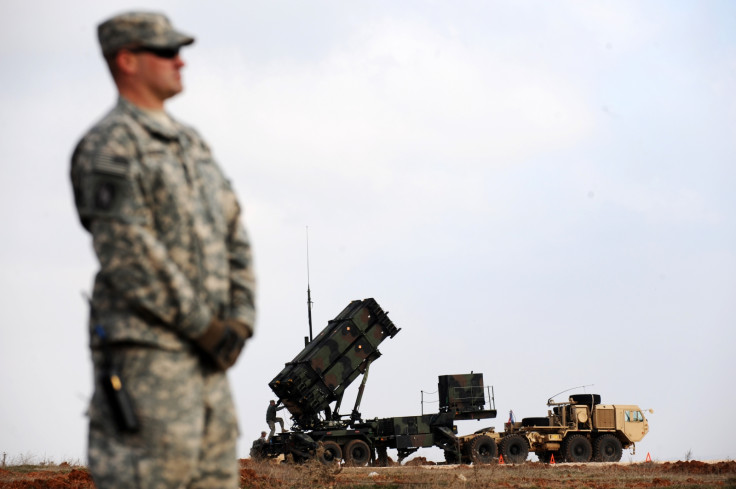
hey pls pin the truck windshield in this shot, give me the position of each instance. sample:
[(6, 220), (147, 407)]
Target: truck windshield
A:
[(634, 416)]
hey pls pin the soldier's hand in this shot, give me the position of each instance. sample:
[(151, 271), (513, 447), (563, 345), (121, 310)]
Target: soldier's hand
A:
[(223, 341)]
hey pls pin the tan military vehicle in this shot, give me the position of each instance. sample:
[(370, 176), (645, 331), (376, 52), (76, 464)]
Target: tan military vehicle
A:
[(580, 430)]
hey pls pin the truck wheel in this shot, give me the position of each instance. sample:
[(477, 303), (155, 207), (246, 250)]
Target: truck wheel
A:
[(586, 398), (514, 449), (607, 448), (577, 448), (330, 454), (357, 453), (482, 450)]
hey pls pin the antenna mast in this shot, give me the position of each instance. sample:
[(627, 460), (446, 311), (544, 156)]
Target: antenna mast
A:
[(309, 292)]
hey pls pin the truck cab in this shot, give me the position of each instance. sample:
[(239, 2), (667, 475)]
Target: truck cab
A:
[(631, 421)]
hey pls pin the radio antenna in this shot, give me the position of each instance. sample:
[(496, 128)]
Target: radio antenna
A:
[(309, 292)]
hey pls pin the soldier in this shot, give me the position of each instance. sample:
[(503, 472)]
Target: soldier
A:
[(271, 418), (257, 448), (174, 299), (262, 440)]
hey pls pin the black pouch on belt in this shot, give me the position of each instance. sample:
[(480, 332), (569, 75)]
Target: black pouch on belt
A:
[(117, 396)]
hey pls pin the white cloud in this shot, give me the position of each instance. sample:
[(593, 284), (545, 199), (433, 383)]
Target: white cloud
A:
[(396, 93), (615, 25), (660, 201)]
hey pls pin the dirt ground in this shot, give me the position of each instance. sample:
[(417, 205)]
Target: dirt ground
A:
[(692, 474)]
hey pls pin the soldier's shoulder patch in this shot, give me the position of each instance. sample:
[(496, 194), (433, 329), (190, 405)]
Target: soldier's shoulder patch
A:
[(105, 195)]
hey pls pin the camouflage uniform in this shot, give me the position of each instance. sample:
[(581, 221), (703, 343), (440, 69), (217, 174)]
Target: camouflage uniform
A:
[(272, 419), (173, 255)]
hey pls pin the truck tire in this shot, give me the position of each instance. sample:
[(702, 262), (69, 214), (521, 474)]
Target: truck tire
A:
[(482, 450), (514, 449), (330, 453), (607, 448), (577, 449), (357, 453), (586, 399)]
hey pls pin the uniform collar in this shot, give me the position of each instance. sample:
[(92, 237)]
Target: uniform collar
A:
[(148, 122)]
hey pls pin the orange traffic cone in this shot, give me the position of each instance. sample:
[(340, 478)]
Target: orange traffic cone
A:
[(552, 459), (649, 458), (500, 459)]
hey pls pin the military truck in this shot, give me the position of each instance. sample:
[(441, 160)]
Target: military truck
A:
[(461, 397), (579, 430), (312, 385)]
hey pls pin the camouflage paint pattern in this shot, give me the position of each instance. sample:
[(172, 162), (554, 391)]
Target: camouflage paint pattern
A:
[(165, 225), (346, 364), (334, 359), (166, 228), (188, 424), (409, 431), (334, 345), (135, 29), (363, 314), (461, 393)]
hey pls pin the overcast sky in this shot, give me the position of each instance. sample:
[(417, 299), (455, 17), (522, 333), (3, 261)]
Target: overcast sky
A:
[(542, 191)]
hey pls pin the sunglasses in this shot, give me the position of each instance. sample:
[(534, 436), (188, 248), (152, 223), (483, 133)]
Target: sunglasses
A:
[(167, 53)]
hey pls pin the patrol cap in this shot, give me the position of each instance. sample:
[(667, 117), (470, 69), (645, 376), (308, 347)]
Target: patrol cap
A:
[(139, 29)]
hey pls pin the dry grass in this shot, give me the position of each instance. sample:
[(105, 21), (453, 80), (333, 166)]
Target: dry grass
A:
[(531, 475), (48, 476), (272, 475)]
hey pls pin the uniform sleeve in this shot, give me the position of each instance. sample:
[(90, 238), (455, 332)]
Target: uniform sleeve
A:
[(241, 273), (110, 200)]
